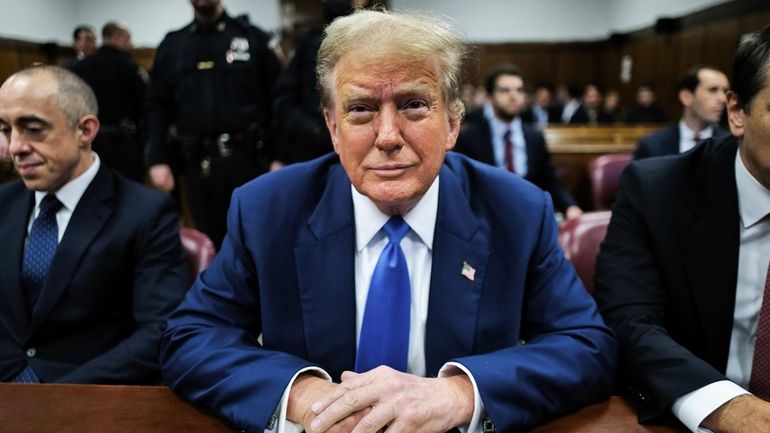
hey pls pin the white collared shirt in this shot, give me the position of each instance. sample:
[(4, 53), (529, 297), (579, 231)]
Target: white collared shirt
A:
[(69, 195), (417, 245), (753, 258), (687, 136), (498, 130)]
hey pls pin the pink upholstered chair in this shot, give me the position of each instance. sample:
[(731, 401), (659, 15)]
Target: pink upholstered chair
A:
[(604, 173), (580, 239), (199, 248)]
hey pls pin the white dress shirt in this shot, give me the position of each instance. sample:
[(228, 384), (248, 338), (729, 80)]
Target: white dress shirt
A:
[(498, 130), (753, 258), (418, 250), (687, 136), (69, 195)]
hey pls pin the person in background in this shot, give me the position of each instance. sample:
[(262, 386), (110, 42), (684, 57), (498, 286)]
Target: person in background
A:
[(646, 108), (683, 277), (611, 105), (121, 91), (591, 111), (91, 264), (542, 112), (702, 91), (209, 111), (499, 137), (394, 283), (84, 43), (297, 104)]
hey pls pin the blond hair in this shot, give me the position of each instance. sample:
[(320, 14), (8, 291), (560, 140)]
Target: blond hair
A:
[(383, 35)]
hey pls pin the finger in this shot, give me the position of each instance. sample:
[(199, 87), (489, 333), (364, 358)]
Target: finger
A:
[(352, 399), (348, 375), (377, 419)]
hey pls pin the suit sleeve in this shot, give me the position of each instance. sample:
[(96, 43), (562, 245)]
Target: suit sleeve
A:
[(562, 199), (630, 292), (566, 348), (210, 352), (161, 278)]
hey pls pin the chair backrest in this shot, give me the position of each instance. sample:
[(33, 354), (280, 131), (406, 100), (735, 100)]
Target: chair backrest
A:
[(580, 239), (199, 248), (604, 173)]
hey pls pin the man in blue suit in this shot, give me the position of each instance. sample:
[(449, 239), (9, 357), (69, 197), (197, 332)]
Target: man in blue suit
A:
[(496, 332)]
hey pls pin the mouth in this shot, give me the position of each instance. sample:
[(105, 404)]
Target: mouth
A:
[(26, 169), (391, 170)]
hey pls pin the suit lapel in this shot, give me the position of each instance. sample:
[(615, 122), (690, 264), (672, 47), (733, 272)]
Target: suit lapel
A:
[(326, 274), (453, 305), (710, 241), (90, 215), (13, 232)]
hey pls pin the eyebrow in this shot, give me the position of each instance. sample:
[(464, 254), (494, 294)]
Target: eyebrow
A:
[(408, 89)]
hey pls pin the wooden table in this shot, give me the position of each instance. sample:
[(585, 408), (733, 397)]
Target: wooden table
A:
[(56, 408)]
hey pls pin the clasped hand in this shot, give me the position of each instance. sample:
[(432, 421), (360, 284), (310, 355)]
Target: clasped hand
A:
[(384, 399)]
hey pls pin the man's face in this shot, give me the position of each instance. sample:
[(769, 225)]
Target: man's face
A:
[(46, 152), (708, 101), (390, 127), (542, 97), (754, 129), (86, 42), (508, 97), (591, 97), (645, 97), (123, 41)]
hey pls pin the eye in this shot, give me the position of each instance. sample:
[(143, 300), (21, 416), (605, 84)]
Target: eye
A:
[(358, 109), (415, 104)]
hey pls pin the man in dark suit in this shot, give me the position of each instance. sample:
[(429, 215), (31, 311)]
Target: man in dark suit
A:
[(702, 92), (499, 137), (682, 275), (468, 269), (84, 43), (542, 112), (591, 111), (120, 88), (91, 263)]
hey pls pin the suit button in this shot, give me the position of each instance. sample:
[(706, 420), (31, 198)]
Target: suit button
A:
[(31, 352)]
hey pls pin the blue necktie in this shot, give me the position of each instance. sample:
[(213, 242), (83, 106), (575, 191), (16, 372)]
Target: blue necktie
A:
[(41, 246), (384, 336)]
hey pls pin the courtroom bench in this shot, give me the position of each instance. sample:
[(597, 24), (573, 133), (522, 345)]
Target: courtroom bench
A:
[(573, 148), (35, 408)]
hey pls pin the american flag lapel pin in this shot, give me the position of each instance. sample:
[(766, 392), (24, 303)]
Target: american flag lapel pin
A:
[(468, 271)]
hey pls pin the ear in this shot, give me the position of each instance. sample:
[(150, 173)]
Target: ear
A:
[(735, 115), (685, 97), (88, 126), (455, 121), (331, 125)]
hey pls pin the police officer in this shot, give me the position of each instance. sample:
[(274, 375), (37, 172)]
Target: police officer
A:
[(208, 110), (120, 88)]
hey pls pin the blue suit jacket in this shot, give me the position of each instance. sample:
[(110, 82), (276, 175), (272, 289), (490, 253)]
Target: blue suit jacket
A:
[(286, 270)]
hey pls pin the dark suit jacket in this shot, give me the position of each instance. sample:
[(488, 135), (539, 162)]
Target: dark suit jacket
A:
[(475, 141), (286, 270), (666, 273), (666, 142), (117, 274), (580, 116)]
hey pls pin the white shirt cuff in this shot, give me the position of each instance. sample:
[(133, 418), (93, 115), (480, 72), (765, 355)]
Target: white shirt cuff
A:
[(279, 423), (693, 407), (451, 369)]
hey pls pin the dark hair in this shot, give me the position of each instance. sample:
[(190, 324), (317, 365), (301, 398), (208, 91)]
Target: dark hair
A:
[(491, 80), (690, 80), (112, 29), (80, 29), (646, 84), (750, 67)]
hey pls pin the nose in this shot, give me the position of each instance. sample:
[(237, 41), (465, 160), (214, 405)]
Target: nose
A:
[(17, 144), (388, 131)]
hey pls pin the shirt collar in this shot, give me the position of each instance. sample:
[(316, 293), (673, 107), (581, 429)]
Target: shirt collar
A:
[(69, 194), (688, 134), (753, 197), (421, 219)]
